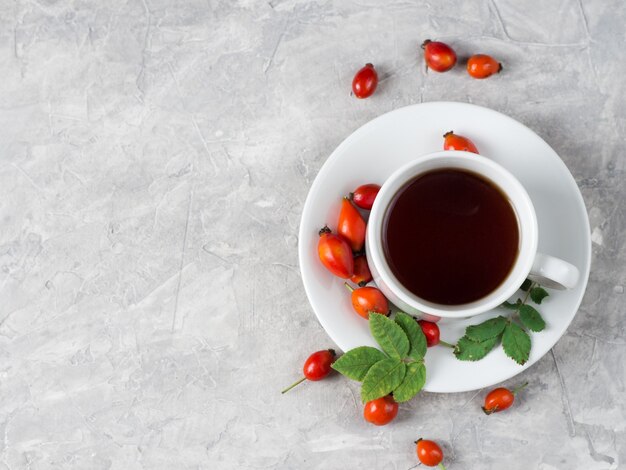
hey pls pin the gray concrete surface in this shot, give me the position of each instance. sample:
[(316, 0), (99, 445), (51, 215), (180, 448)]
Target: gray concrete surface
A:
[(154, 159)]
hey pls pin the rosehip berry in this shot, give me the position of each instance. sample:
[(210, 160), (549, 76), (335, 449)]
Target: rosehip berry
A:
[(500, 399), (362, 274), (365, 82), (483, 66), (366, 300), (429, 453), (380, 411), (316, 367), (438, 55), (431, 332)]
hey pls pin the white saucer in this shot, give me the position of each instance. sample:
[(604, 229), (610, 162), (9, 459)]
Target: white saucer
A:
[(374, 151)]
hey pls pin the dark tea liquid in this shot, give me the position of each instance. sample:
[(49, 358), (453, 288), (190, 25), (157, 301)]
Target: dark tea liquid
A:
[(450, 236)]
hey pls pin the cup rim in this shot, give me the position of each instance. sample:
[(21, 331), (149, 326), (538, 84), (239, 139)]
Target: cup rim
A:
[(528, 232)]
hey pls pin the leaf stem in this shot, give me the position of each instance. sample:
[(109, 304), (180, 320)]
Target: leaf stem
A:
[(532, 285), (516, 312), (446, 344), (519, 388), (441, 466), (294, 384)]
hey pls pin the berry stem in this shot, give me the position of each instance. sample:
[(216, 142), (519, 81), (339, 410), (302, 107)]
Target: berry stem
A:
[(519, 388), (294, 384), (349, 287), (516, 312), (441, 466), (324, 230), (446, 344)]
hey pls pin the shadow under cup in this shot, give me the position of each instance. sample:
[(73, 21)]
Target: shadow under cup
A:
[(451, 234)]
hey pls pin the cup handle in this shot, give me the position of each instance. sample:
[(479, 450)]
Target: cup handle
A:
[(553, 272)]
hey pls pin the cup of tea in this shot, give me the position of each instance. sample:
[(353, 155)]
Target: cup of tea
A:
[(453, 234)]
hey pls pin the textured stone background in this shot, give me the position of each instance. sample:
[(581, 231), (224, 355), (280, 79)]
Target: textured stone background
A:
[(154, 159)]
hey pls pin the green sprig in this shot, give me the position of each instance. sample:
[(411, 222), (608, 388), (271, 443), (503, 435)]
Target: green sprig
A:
[(399, 368), (509, 330)]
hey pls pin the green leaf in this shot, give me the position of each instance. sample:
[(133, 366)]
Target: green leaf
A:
[(382, 378), (355, 363), (389, 335), (537, 294), (516, 343), (526, 285), (512, 306), (531, 318), (413, 382), (468, 350), (486, 330), (417, 340)]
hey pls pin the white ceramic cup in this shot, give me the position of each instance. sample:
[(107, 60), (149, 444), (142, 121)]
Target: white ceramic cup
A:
[(547, 270)]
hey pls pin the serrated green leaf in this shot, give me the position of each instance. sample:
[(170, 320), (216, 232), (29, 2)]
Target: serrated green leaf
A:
[(413, 382), (417, 340), (512, 306), (468, 350), (526, 285), (537, 294), (355, 363), (491, 328), (531, 318), (382, 378), (516, 343), (389, 335)]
